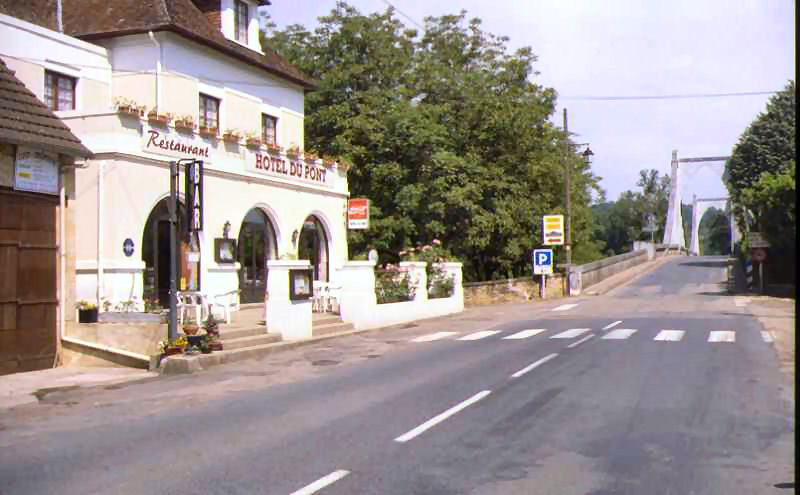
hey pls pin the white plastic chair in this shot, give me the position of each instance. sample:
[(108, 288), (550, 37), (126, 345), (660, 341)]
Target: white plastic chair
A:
[(227, 301), (318, 297), (332, 296), (194, 302)]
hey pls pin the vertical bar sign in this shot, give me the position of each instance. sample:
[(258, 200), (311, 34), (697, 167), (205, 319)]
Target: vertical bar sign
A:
[(358, 213), (194, 195)]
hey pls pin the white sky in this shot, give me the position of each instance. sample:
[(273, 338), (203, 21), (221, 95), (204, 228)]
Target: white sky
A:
[(632, 48)]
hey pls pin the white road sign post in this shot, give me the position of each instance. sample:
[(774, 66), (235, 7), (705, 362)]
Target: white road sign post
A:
[(542, 265)]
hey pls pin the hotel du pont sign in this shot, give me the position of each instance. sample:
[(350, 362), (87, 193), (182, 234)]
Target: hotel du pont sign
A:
[(177, 146)]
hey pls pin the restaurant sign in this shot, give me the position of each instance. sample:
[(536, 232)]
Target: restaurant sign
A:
[(164, 143), (265, 164)]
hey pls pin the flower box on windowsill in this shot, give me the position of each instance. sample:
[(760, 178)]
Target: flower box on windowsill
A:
[(156, 119), (253, 142), (310, 157), (231, 138), (183, 126), (130, 111), (208, 132), (274, 148), (328, 162), (293, 153)]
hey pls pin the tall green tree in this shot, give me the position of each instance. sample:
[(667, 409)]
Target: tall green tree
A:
[(760, 175), (446, 133)]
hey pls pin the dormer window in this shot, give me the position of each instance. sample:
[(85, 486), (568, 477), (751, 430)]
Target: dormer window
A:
[(241, 20)]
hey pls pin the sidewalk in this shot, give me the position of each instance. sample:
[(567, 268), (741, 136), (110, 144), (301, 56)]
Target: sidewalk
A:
[(29, 387)]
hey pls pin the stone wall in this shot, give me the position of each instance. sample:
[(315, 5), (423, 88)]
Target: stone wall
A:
[(511, 290)]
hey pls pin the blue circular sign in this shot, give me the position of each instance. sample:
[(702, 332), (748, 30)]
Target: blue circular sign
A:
[(127, 247)]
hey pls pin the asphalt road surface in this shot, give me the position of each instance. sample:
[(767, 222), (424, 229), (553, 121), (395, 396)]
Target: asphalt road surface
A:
[(663, 386)]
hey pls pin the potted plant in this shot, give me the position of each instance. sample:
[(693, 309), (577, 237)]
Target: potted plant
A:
[(207, 132), (310, 156), (212, 334), (184, 123), (274, 148), (190, 326), (328, 162), (87, 312), (156, 118), (231, 136), (293, 151), (253, 140), (128, 107)]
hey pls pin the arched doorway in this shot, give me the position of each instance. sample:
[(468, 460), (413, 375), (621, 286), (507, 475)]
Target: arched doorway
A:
[(257, 244), (313, 246), (155, 254)]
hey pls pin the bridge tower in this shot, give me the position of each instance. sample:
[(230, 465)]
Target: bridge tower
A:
[(673, 230)]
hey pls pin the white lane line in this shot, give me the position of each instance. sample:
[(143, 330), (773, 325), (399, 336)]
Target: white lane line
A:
[(767, 336), (579, 342), (722, 336), (322, 483), (405, 437), (480, 335), (570, 334), (741, 301), (619, 334), (434, 336), (564, 307), (670, 335), (534, 365), (524, 334), (612, 325)]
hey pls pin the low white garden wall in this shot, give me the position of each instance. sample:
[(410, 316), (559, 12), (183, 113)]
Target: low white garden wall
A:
[(359, 305)]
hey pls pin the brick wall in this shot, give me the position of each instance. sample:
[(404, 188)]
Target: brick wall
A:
[(512, 290), (211, 8)]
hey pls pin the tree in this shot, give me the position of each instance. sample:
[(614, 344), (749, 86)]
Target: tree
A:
[(714, 231), (446, 135), (760, 175)]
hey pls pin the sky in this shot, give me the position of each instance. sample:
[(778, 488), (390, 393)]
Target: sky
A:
[(611, 48)]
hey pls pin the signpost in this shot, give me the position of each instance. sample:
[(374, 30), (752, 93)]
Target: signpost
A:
[(553, 230), (542, 260), (358, 213), (758, 251)]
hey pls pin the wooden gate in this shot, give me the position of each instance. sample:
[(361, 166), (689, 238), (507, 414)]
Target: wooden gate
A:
[(28, 282)]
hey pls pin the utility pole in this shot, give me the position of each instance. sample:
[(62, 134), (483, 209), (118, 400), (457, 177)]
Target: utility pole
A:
[(567, 189), (172, 327)]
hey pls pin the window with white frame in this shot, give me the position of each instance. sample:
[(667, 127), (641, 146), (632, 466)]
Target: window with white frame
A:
[(269, 125), (209, 112), (242, 20), (59, 91)]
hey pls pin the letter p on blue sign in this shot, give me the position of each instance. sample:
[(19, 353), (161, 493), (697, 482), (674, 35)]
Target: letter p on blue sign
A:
[(542, 261)]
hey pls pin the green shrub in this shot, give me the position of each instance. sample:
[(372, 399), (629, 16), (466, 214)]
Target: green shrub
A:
[(393, 285)]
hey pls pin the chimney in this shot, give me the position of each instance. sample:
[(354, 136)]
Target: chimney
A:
[(212, 10)]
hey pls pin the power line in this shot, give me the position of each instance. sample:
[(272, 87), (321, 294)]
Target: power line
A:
[(404, 15), (668, 97)]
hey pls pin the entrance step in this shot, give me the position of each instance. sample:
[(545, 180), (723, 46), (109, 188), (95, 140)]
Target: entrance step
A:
[(239, 339), (238, 333), (327, 323)]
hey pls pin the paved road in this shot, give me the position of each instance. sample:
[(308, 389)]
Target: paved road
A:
[(664, 386)]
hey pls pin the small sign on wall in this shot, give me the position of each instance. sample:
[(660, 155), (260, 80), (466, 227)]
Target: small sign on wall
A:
[(300, 281), (358, 213), (36, 171)]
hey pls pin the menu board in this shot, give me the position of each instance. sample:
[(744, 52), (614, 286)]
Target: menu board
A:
[(36, 171)]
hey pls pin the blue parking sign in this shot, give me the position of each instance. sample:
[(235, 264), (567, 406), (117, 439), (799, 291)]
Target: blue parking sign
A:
[(542, 261)]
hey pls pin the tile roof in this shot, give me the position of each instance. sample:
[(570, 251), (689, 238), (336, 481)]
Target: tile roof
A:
[(97, 19), (27, 121)]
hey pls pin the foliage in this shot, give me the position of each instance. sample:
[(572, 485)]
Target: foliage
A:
[(446, 133), (621, 222), (439, 284), (393, 285), (760, 175), (715, 232), (85, 305)]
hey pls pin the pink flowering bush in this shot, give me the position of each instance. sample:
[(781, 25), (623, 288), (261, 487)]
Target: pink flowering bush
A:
[(393, 284), (439, 283)]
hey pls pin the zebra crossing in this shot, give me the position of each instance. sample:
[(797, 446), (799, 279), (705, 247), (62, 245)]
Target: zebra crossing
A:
[(615, 334)]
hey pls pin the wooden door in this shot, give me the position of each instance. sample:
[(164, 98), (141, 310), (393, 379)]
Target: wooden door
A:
[(28, 282)]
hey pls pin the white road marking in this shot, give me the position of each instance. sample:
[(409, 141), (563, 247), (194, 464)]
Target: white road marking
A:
[(405, 437), (612, 325), (670, 335), (619, 334), (741, 301), (767, 336), (480, 335), (434, 336), (524, 334), (579, 342), (322, 483), (723, 336), (570, 334), (564, 307), (534, 365)]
